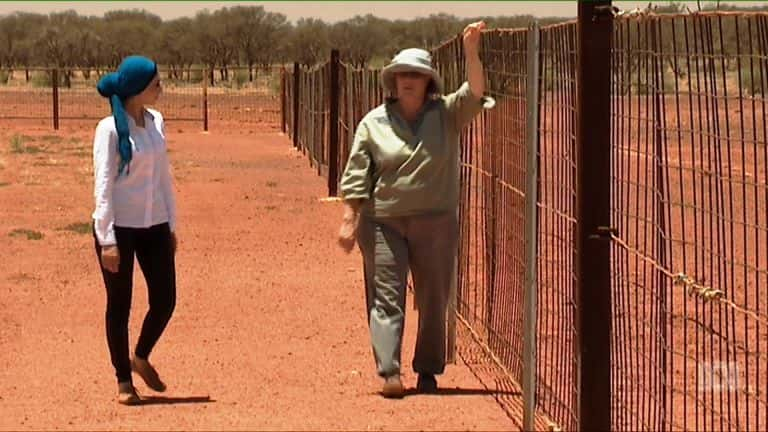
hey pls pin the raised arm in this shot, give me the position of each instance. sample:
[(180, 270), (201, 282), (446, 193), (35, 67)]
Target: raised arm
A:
[(475, 73), (467, 102)]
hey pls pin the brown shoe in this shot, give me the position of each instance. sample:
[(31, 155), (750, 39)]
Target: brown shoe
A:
[(126, 394), (393, 387), (148, 374)]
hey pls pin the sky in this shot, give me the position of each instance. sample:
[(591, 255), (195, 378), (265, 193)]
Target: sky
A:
[(331, 11)]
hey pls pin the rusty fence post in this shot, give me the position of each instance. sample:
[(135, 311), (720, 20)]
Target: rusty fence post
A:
[(333, 142), (593, 210), (296, 92), (55, 83), (205, 99), (282, 99)]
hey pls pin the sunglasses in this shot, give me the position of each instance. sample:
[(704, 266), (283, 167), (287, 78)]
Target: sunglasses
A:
[(411, 74)]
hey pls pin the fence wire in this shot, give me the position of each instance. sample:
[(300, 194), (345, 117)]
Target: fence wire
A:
[(557, 393), (689, 184), (240, 98), (491, 247), (690, 192)]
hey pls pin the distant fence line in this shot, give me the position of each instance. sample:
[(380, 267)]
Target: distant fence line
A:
[(651, 220), (242, 98)]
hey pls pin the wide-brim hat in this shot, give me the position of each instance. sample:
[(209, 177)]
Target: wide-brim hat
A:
[(410, 60)]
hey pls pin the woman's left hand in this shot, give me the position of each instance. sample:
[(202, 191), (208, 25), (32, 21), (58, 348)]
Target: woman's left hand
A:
[(471, 36)]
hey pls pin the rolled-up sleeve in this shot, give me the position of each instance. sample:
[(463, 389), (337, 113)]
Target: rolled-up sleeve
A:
[(463, 105), (356, 180), (105, 163)]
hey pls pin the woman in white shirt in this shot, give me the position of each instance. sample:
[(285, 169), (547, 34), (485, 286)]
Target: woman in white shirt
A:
[(135, 215)]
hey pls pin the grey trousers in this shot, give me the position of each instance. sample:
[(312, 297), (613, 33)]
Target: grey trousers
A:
[(427, 245)]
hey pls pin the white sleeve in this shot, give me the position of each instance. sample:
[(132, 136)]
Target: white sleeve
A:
[(167, 183), (105, 162)]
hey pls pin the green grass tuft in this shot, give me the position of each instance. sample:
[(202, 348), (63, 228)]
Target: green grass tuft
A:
[(19, 145), (78, 227), (30, 234)]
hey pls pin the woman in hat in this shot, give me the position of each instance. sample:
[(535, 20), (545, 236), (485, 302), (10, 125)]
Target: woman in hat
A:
[(135, 215), (401, 194)]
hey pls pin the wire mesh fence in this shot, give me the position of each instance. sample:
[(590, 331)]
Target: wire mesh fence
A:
[(690, 189), (556, 314), (26, 96), (244, 97), (492, 265), (360, 90), (689, 201)]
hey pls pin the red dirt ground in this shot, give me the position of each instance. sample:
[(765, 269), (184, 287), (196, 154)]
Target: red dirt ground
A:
[(270, 322)]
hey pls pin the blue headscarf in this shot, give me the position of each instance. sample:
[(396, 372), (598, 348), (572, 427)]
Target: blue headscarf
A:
[(133, 76)]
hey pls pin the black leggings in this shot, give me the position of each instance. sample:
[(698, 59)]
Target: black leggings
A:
[(152, 248)]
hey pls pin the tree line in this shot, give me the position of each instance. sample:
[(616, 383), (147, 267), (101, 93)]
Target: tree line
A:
[(232, 36), (237, 35)]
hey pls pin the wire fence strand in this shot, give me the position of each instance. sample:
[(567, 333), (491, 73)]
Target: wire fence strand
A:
[(689, 260), (241, 98)]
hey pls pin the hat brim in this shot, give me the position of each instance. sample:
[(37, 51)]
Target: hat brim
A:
[(389, 71)]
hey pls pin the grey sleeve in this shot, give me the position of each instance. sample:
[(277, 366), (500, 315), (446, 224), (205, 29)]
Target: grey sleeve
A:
[(356, 180)]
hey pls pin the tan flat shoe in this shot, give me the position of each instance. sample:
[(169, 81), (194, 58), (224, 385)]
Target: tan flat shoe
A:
[(126, 394), (393, 387), (148, 374)]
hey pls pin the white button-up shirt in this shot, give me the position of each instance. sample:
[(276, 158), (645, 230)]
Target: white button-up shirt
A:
[(142, 197)]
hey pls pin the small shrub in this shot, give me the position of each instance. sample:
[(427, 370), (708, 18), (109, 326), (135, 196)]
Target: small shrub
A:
[(275, 84), (751, 82), (196, 76), (81, 153), (42, 79), (240, 78), (19, 145), (30, 234), (78, 227), (52, 139)]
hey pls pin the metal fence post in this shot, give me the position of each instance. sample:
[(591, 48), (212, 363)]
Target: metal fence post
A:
[(531, 229), (333, 126), (283, 89), (593, 205), (55, 83), (296, 92), (205, 100)]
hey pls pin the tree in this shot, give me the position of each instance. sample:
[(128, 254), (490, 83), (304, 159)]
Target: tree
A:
[(310, 41), (250, 28), (434, 29), (274, 43), (177, 48), (217, 44), (129, 32), (58, 42), (361, 38), (16, 36)]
